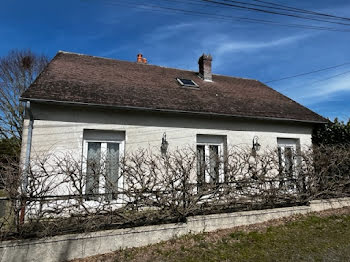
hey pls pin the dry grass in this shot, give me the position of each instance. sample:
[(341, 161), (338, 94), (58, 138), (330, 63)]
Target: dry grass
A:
[(321, 236)]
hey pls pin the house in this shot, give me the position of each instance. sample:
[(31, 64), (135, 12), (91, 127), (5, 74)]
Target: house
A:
[(92, 106)]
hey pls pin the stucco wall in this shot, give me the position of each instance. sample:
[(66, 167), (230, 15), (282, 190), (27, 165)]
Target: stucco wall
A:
[(60, 129)]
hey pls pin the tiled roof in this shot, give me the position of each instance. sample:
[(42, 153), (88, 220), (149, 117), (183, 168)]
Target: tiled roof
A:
[(86, 79)]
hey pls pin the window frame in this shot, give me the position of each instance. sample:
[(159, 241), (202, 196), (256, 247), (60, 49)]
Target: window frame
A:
[(104, 148), (287, 178), (194, 86), (207, 176)]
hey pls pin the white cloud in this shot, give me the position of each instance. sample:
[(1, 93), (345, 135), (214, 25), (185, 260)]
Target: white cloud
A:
[(223, 46), (205, 37), (310, 92), (328, 88), (168, 31), (229, 46)]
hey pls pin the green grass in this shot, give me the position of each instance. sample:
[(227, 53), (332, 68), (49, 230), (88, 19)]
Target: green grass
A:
[(311, 238)]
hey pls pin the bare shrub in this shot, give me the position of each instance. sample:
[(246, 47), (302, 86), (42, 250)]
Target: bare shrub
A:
[(65, 195)]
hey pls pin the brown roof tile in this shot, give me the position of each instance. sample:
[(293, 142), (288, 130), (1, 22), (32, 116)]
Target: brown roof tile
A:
[(85, 79)]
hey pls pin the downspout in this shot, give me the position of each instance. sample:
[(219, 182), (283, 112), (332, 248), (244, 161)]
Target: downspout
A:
[(28, 146), (27, 159)]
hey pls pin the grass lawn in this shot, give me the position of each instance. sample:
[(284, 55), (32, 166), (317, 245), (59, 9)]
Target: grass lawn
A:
[(318, 237)]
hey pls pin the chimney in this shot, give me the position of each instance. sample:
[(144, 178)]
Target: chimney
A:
[(204, 63), (139, 58)]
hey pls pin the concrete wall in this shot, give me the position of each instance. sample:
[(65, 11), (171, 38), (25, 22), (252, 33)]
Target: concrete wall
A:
[(319, 205), (67, 247), (60, 129)]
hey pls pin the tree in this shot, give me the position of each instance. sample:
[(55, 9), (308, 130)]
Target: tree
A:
[(332, 133), (332, 145), (18, 69), (9, 153)]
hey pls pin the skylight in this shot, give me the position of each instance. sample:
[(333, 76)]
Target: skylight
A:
[(187, 82)]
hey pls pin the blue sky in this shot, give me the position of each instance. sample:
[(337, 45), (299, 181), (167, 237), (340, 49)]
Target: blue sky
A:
[(250, 50)]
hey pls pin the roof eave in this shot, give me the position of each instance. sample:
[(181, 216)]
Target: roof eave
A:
[(24, 99)]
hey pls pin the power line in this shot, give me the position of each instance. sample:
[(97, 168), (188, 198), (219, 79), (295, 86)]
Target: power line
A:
[(331, 77), (157, 8), (304, 10), (273, 6), (291, 9), (231, 4), (324, 79), (284, 8), (307, 73)]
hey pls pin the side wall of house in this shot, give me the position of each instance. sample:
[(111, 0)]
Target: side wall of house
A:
[(59, 129)]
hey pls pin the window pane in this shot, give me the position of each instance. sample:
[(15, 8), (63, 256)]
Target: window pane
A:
[(286, 166), (214, 163), (280, 165), (112, 169), (289, 161), (289, 166), (93, 167), (200, 164)]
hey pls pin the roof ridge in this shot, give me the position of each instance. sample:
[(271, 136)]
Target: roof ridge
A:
[(166, 67), (113, 59)]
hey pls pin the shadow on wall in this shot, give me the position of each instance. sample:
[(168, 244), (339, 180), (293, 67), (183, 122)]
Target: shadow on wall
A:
[(84, 114)]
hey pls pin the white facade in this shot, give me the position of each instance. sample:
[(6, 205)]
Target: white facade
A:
[(68, 130), (60, 129)]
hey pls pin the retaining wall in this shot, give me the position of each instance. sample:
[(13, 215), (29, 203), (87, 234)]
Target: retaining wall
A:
[(67, 247)]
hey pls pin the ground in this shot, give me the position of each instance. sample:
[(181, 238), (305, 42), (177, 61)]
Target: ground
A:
[(321, 236)]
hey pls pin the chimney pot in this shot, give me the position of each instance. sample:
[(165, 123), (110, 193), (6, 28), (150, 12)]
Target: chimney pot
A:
[(139, 58), (204, 63)]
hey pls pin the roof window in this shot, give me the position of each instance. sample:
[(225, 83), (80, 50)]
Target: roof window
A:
[(187, 82)]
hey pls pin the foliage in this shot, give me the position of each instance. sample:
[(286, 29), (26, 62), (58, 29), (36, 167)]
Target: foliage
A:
[(9, 148), (18, 69), (332, 133), (9, 153)]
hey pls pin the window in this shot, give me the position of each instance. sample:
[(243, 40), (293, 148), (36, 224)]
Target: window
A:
[(187, 82), (288, 161), (210, 150), (102, 151)]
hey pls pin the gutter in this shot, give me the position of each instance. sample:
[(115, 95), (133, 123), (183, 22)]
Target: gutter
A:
[(170, 111)]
